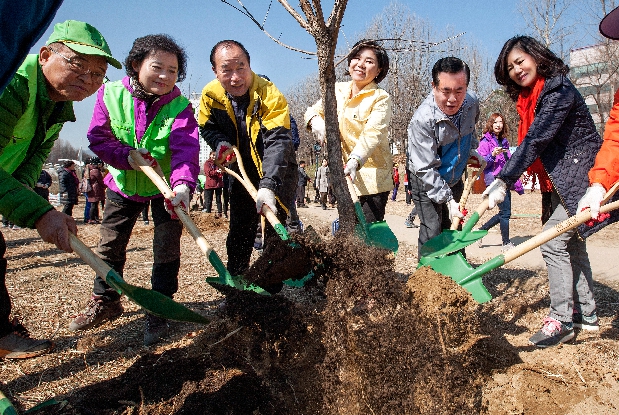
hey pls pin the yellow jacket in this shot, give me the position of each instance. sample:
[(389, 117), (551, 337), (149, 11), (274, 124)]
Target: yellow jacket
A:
[(364, 121)]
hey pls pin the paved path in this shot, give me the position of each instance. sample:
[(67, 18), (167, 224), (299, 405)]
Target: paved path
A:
[(603, 255)]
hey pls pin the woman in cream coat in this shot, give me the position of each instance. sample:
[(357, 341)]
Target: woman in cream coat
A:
[(364, 112)]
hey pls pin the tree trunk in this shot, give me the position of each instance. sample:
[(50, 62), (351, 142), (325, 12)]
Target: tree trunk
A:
[(334, 148)]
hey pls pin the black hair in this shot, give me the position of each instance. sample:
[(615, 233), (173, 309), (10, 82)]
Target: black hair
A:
[(381, 56), (68, 163), (450, 64), (146, 45), (226, 44), (548, 64)]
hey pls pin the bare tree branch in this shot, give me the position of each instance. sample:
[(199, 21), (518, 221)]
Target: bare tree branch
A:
[(294, 13), (247, 13)]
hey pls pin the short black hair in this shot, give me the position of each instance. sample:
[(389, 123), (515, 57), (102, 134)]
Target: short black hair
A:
[(226, 44), (381, 56), (146, 45), (68, 163), (548, 64), (301, 162), (450, 64)]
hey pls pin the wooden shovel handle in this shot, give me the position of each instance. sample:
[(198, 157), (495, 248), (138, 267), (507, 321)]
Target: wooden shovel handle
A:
[(351, 190), (559, 228), (159, 181), (266, 211), (89, 257), (470, 180)]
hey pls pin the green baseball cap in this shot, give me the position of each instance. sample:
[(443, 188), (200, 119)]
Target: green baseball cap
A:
[(82, 38)]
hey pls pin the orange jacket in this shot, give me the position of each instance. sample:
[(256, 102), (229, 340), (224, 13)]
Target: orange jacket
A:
[(606, 168)]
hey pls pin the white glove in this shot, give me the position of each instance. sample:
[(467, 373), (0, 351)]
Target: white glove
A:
[(454, 209), (475, 158), (182, 195), (266, 197), (351, 168), (592, 199), (317, 124), (496, 192), (145, 155)]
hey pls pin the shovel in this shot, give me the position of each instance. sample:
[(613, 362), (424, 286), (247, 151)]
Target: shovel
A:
[(453, 240), (472, 174), (152, 301), (297, 258), (377, 234), (456, 267), (224, 276)]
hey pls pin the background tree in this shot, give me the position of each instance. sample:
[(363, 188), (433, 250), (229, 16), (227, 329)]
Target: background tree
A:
[(550, 22)]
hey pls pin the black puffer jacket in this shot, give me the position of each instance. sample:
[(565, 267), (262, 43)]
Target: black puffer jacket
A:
[(564, 137)]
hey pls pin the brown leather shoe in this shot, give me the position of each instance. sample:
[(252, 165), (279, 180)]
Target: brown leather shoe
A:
[(19, 345)]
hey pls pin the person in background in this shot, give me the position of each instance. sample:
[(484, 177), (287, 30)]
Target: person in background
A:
[(97, 193), (555, 127), (70, 67), (198, 196), (396, 181), (67, 186), (494, 148), (407, 187), (144, 111), (441, 139), (322, 183), (214, 184), (364, 113), (145, 210), (303, 180), (85, 175), (43, 184), (243, 109)]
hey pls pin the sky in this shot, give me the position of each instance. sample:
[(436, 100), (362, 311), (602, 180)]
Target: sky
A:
[(198, 24)]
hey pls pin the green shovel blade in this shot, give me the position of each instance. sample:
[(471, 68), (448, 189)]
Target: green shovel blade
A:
[(6, 407), (450, 241), (154, 302), (377, 234), (469, 278), (237, 281)]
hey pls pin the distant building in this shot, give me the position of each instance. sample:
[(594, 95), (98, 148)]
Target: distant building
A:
[(593, 70), (194, 98)]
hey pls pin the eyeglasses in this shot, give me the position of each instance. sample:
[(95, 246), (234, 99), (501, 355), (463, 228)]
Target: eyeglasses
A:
[(79, 68)]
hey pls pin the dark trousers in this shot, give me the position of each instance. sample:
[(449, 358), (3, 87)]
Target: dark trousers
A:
[(5, 301), (300, 195), (225, 193), (208, 199), (86, 208), (119, 217), (502, 218), (68, 209), (433, 217), (374, 206), (94, 211), (243, 222), (145, 211)]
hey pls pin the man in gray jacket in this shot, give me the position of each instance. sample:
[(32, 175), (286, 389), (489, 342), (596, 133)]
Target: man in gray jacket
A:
[(441, 139)]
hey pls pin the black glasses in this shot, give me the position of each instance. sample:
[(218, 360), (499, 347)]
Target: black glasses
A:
[(80, 68)]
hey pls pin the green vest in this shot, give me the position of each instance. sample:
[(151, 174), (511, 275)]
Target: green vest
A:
[(120, 107), (15, 152)]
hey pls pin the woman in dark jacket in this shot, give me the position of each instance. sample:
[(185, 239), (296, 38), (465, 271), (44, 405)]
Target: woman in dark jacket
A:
[(97, 194), (67, 186), (556, 127)]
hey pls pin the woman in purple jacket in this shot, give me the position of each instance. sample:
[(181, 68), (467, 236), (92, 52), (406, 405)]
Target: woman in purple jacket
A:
[(144, 111), (494, 148)]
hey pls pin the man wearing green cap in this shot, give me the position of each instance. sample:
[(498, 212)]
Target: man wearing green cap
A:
[(33, 108)]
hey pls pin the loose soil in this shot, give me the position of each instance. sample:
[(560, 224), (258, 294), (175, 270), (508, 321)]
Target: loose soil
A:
[(369, 335)]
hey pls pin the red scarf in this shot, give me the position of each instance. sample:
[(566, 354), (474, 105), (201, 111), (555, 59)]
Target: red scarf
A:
[(526, 110)]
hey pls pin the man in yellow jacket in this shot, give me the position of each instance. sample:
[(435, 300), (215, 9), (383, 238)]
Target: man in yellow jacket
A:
[(242, 109)]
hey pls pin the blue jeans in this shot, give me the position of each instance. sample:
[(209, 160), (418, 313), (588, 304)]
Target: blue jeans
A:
[(502, 218), (570, 278)]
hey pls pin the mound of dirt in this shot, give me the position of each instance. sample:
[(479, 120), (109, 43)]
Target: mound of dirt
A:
[(360, 341)]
